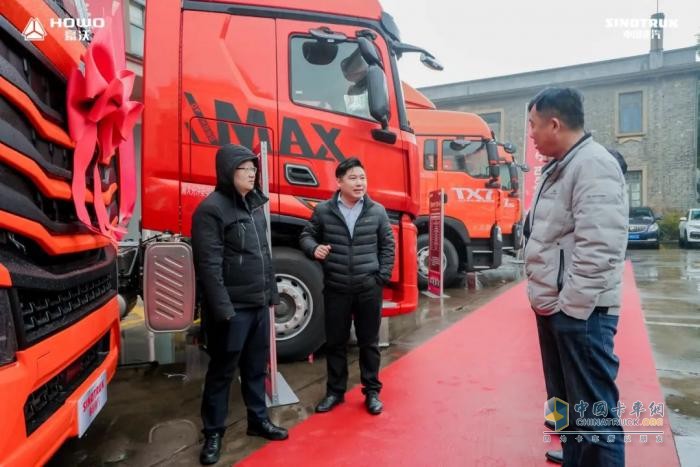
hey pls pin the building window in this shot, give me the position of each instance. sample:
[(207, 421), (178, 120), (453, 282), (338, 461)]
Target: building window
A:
[(634, 188), (493, 120), (430, 154), (329, 76), (630, 113), (137, 21)]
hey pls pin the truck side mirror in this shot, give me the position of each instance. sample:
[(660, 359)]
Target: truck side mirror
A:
[(169, 287), (513, 173), (369, 52), (510, 148), (378, 96), (492, 153), (431, 62)]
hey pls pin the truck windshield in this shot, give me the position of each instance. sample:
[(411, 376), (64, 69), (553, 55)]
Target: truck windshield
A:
[(329, 76), (472, 159)]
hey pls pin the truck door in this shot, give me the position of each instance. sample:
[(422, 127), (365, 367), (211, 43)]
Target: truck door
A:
[(464, 174), (324, 118), (229, 95)]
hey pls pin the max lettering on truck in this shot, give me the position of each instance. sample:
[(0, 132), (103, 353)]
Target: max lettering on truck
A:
[(293, 141)]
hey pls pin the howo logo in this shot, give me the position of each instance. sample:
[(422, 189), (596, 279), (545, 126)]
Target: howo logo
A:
[(82, 23), (34, 30), (478, 195)]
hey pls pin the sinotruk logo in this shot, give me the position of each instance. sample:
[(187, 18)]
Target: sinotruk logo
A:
[(34, 31), (557, 412)]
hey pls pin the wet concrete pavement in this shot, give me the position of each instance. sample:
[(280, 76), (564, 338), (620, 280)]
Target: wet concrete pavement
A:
[(152, 415), (669, 285)]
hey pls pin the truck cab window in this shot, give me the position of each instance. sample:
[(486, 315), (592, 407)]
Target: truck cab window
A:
[(329, 76), (472, 159)]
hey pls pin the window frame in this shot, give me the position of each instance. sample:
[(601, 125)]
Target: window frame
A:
[(434, 141), (642, 190), (129, 24), (644, 110), (309, 106), (445, 143)]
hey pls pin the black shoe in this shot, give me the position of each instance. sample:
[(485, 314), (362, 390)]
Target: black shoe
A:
[(266, 429), (373, 404), (549, 425), (211, 450), (328, 402), (556, 456)]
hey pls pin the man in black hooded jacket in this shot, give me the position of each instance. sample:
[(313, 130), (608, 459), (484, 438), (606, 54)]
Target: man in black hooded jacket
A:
[(236, 283)]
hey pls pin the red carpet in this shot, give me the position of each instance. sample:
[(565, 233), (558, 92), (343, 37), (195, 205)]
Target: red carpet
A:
[(471, 396)]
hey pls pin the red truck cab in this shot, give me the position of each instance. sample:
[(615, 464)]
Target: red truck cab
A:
[(313, 82), (59, 320)]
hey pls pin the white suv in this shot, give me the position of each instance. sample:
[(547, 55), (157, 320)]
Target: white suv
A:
[(689, 229)]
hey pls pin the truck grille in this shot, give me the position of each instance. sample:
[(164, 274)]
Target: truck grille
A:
[(47, 399), (44, 312), (22, 65)]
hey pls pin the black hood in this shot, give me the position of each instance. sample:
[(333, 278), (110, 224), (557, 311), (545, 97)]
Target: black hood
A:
[(228, 158)]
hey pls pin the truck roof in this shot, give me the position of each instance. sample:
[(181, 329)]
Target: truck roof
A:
[(448, 123), (415, 99), (359, 8)]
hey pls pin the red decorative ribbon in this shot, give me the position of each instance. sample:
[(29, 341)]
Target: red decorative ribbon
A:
[(101, 116)]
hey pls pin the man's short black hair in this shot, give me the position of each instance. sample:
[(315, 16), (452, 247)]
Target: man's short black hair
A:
[(346, 165), (566, 104)]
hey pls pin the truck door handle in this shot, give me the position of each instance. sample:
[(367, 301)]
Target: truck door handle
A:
[(299, 175)]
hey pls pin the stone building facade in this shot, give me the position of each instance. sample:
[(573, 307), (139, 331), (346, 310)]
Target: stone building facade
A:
[(645, 106)]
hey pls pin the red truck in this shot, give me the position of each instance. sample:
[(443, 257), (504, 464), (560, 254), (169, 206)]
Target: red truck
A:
[(315, 83), (59, 321), (482, 208)]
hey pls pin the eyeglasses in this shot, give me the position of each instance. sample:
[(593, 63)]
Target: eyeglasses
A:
[(250, 170)]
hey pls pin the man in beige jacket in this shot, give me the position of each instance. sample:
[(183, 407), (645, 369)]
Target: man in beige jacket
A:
[(574, 259)]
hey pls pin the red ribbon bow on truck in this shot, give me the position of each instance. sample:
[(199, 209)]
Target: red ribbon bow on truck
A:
[(100, 121)]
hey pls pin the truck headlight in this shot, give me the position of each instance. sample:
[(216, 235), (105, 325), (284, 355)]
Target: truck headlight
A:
[(8, 338), (653, 227)]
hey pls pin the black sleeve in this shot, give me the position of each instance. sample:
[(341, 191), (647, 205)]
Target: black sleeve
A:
[(311, 235), (385, 239), (208, 246)]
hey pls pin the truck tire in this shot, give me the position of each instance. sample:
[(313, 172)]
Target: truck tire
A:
[(451, 258), (299, 316)]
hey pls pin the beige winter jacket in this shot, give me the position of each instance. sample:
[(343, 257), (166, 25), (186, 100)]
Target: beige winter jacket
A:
[(574, 257)]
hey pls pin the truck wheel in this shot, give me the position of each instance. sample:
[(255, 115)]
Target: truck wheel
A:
[(450, 262), (299, 316)]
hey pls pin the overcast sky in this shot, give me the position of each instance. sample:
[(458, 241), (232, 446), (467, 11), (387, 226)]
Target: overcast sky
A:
[(479, 39)]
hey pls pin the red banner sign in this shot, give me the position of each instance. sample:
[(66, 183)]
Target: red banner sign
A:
[(436, 216)]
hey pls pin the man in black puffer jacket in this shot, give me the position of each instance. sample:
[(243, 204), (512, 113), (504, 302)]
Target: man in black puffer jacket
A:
[(351, 235), (236, 283)]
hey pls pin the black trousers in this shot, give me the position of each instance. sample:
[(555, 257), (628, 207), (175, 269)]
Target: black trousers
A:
[(580, 368), (340, 309), (241, 342)]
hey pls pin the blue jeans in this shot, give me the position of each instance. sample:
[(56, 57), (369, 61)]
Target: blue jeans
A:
[(579, 365)]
